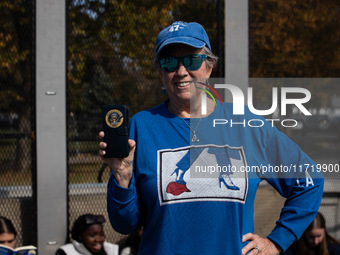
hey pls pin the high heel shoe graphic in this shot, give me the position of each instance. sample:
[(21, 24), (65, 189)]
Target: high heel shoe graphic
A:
[(179, 175), (231, 185), (179, 186)]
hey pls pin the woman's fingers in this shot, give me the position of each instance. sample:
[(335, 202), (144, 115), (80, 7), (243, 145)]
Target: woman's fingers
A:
[(122, 167), (252, 247), (258, 245)]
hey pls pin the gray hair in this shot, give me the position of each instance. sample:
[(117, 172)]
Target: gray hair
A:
[(212, 58)]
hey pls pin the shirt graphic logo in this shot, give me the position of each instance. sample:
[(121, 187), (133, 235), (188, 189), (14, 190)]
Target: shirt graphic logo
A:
[(185, 174)]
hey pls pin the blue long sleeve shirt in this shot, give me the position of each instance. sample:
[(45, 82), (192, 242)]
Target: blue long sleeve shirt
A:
[(198, 198)]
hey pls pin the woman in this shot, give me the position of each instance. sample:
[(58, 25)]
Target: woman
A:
[(155, 186), (88, 238), (7, 232), (316, 240)]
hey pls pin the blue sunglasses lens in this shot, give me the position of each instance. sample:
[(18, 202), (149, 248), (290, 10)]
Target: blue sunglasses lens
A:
[(190, 62), (169, 64), (193, 62)]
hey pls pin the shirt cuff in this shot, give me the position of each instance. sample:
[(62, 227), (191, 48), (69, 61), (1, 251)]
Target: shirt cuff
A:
[(118, 193), (282, 237)]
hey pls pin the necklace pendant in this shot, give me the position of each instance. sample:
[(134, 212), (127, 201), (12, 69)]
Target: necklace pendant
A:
[(194, 138)]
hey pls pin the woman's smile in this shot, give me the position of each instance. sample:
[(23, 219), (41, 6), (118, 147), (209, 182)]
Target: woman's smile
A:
[(183, 84)]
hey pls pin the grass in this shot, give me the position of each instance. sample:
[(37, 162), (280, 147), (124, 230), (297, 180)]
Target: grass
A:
[(86, 173), (12, 178), (78, 173), (83, 167)]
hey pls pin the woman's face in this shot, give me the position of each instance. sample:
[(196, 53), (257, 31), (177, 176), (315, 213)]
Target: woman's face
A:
[(93, 238), (315, 236), (7, 239), (178, 83)]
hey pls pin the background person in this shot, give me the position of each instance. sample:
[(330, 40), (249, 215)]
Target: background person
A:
[(88, 238), (152, 187), (7, 232), (315, 240)]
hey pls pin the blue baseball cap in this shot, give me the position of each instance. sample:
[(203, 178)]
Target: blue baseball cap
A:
[(192, 34)]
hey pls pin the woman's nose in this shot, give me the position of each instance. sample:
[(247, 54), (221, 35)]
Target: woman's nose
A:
[(181, 70)]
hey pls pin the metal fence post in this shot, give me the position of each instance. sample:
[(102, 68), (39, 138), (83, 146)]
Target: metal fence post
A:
[(51, 124), (236, 44)]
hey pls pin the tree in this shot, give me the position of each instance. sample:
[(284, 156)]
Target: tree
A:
[(296, 38), (16, 68), (120, 37), (117, 38)]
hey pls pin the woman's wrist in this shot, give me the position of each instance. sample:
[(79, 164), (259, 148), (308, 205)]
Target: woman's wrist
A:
[(123, 180)]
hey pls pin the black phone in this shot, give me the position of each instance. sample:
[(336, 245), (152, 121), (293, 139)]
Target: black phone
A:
[(116, 129)]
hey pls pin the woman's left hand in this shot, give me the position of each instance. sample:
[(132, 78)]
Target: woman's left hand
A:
[(258, 245)]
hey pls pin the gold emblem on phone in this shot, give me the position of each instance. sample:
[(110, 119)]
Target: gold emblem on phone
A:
[(114, 118)]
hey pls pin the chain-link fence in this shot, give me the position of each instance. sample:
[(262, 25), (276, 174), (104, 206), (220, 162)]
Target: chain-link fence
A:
[(110, 50), (111, 46), (17, 118), (300, 39)]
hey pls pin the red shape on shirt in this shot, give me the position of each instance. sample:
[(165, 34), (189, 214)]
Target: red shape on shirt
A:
[(176, 189)]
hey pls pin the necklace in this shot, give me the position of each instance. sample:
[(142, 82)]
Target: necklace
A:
[(194, 137)]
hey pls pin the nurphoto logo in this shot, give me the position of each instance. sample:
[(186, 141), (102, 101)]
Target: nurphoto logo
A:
[(238, 104)]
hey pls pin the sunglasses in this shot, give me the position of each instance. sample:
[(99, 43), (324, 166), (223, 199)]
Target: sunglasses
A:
[(190, 62), (94, 219)]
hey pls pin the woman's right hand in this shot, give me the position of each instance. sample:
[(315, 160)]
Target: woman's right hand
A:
[(122, 167)]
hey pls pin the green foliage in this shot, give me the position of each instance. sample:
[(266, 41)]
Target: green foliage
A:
[(16, 69), (110, 52), (119, 37), (15, 55), (110, 49), (294, 38)]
